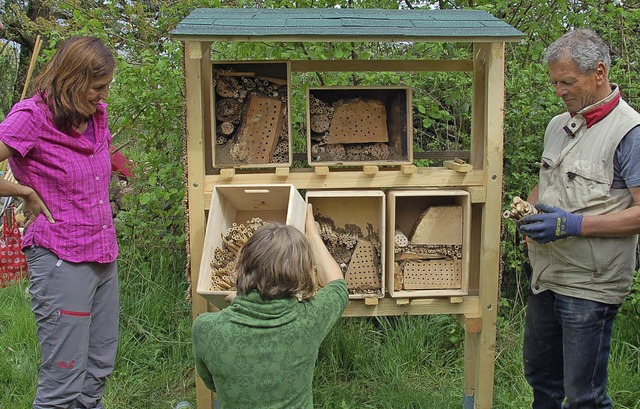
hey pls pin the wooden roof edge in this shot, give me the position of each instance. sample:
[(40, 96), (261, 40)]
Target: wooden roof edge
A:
[(351, 38)]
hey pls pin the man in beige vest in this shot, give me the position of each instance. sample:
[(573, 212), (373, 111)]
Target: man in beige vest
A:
[(582, 242)]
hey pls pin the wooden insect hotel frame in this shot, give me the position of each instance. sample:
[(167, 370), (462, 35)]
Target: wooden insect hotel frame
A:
[(472, 188)]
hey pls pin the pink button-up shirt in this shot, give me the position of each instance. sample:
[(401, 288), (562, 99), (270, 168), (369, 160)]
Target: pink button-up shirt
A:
[(71, 175)]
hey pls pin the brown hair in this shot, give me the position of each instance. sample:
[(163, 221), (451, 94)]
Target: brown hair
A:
[(277, 262), (66, 78)]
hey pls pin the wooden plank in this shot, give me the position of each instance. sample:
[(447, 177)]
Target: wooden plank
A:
[(491, 57), (438, 225), (227, 173), (371, 301), (478, 194), (474, 256), (458, 165), (370, 169), (418, 306), (434, 155), (472, 323), (408, 169), (470, 368), (195, 66), (321, 170), (321, 177), (381, 65), (432, 275)]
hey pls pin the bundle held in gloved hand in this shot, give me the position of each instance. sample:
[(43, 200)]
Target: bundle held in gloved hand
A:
[(519, 209), (550, 224)]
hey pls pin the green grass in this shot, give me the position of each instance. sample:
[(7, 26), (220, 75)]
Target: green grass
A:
[(154, 365), (381, 362), (18, 349)]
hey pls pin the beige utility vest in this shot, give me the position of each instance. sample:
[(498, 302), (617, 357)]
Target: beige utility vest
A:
[(576, 175)]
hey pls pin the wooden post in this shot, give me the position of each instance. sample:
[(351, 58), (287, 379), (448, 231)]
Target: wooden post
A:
[(198, 115), (488, 138)]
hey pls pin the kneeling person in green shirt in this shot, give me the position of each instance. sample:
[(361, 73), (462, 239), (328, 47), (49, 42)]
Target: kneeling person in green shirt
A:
[(260, 352)]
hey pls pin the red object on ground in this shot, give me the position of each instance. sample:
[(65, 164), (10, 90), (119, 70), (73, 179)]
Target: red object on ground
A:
[(13, 265), (120, 164)]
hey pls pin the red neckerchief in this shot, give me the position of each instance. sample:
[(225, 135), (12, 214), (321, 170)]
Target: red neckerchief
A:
[(594, 115)]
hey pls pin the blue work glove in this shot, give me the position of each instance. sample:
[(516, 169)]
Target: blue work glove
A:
[(551, 224)]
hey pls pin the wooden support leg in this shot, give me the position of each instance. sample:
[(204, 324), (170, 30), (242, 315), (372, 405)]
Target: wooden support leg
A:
[(472, 324), (470, 368), (204, 397)]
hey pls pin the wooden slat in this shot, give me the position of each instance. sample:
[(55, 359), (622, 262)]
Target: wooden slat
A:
[(416, 306), (382, 65), (491, 57), (195, 65), (433, 155), (307, 179)]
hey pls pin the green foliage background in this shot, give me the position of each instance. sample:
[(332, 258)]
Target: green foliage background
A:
[(146, 118)]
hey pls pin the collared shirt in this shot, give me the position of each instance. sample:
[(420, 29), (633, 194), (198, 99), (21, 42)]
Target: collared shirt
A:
[(71, 175)]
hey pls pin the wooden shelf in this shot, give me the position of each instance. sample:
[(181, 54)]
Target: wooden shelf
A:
[(413, 306), (351, 179)]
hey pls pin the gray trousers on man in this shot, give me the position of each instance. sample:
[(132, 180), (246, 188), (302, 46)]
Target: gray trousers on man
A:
[(76, 310)]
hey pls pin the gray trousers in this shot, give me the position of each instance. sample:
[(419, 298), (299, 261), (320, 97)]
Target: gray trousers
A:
[(76, 309)]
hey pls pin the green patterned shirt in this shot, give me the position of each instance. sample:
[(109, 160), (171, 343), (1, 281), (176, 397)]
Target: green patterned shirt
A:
[(261, 354)]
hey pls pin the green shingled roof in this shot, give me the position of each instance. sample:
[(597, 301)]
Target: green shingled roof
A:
[(343, 25)]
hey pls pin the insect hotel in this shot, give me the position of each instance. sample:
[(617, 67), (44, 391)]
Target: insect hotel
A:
[(411, 240)]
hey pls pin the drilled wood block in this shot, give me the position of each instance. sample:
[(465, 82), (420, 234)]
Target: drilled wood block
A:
[(260, 129), (432, 274), (359, 121), (361, 272)]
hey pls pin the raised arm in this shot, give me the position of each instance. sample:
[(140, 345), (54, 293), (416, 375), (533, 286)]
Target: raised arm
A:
[(328, 268)]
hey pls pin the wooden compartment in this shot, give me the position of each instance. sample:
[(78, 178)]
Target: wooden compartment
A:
[(428, 242), (359, 125), (238, 204), (353, 227), (252, 122)]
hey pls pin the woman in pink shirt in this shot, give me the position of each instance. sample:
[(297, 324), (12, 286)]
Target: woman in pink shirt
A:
[(57, 143)]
